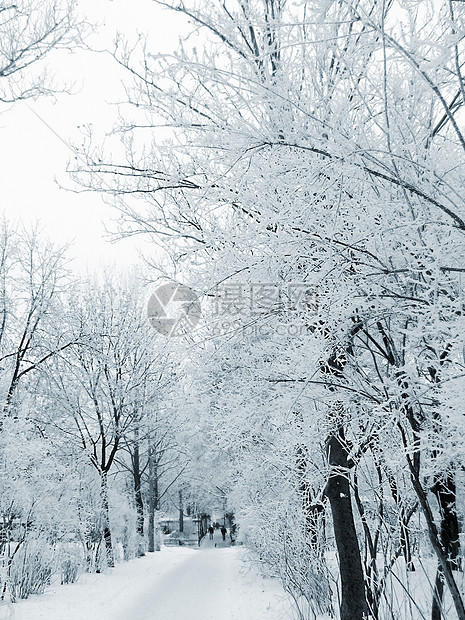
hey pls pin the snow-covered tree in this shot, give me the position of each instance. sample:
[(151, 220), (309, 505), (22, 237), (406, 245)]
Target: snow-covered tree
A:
[(319, 144), (103, 385), (29, 31)]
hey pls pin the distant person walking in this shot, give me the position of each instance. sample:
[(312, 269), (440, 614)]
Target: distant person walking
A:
[(210, 531), (223, 532)]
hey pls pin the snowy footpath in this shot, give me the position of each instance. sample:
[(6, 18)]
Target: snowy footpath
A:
[(212, 583)]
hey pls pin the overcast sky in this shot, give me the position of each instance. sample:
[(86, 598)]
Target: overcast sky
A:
[(33, 154)]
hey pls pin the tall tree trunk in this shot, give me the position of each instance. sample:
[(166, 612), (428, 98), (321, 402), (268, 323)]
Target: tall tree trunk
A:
[(138, 499), (438, 595), (153, 534), (106, 520), (84, 534), (445, 491), (138, 490), (353, 593), (181, 512), (353, 598), (151, 528)]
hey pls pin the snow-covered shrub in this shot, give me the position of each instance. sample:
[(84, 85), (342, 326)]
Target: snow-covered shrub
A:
[(37, 508), (31, 568), (273, 528), (71, 560), (280, 549)]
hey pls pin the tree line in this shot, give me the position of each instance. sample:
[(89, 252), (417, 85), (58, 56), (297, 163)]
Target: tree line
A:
[(314, 147)]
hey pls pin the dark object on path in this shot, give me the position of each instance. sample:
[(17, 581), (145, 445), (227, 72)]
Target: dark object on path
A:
[(210, 531), (223, 532)]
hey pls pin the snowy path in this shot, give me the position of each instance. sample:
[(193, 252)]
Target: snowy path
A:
[(207, 586), (175, 584), (211, 584)]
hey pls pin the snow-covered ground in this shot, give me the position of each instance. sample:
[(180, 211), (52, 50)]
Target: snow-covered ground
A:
[(173, 584)]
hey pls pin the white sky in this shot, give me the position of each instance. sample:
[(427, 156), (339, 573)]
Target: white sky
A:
[(32, 156)]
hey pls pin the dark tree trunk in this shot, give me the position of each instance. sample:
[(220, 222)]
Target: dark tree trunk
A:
[(445, 491), (181, 512), (151, 528), (444, 488), (138, 491), (138, 499), (353, 594), (353, 600), (438, 595), (153, 544), (106, 521)]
